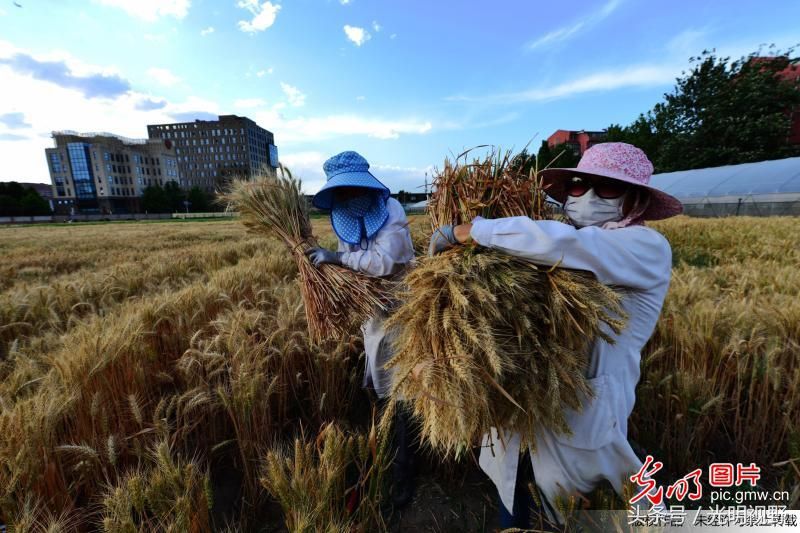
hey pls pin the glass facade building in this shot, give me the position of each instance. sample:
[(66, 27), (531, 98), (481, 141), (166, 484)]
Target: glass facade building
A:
[(101, 173), (82, 176)]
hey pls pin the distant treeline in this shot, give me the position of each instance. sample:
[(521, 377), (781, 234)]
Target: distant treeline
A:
[(720, 112), (18, 200), (171, 198)]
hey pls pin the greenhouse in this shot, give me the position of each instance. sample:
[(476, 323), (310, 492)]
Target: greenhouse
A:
[(765, 188)]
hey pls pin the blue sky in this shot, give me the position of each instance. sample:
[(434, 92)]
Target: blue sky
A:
[(404, 83)]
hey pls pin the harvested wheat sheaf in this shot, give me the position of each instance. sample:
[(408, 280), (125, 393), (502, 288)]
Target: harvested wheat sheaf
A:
[(485, 339), (335, 298)]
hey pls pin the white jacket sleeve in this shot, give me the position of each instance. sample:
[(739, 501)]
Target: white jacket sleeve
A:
[(390, 249), (637, 257)]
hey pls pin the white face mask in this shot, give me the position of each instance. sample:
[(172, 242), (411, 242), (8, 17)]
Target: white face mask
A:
[(591, 210)]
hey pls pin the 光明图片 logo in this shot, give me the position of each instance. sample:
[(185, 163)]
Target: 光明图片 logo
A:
[(730, 484)]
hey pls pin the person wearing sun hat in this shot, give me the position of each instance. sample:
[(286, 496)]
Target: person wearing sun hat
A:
[(606, 198), (373, 239)]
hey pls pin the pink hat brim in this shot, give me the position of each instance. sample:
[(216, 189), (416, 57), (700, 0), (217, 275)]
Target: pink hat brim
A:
[(662, 205)]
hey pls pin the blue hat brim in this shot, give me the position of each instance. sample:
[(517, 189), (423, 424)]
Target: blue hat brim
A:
[(324, 198)]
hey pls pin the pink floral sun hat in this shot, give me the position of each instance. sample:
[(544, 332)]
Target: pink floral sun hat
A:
[(619, 161)]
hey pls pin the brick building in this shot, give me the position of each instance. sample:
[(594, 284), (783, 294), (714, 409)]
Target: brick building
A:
[(579, 141), (792, 73), (210, 152)]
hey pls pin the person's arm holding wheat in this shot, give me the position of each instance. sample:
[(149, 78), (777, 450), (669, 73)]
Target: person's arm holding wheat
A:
[(636, 257)]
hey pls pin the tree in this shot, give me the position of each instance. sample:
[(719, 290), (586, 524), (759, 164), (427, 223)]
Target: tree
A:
[(33, 204), (639, 133), (721, 112), (155, 200), (199, 202), (174, 196), (558, 156), (16, 200)]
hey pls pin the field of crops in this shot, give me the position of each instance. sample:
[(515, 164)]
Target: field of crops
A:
[(159, 376)]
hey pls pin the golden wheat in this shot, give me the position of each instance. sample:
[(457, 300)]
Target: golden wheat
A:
[(488, 340), (214, 358), (336, 298)]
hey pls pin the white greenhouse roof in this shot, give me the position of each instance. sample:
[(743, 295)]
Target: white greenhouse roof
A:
[(777, 180), (418, 206)]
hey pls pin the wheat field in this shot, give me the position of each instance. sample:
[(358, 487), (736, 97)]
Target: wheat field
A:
[(159, 377)]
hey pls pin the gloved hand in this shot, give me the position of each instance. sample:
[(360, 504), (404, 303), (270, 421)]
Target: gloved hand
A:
[(319, 256), (442, 239)]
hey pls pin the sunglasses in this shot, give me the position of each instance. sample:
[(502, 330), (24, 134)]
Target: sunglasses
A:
[(604, 188)]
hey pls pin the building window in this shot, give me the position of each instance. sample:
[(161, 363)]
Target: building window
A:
[(82, 176), (55, 161)]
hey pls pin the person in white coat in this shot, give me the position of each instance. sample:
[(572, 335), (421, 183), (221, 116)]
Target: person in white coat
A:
[(373, 239), (606, 198)]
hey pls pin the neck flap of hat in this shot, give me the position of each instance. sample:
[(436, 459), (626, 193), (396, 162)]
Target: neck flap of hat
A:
[(636, 215), (359, 218)]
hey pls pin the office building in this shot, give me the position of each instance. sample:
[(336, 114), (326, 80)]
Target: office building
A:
[(105, 173), (211, 152)]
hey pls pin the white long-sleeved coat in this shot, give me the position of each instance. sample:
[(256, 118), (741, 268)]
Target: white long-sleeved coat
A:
[(637, 260), (386, 253)]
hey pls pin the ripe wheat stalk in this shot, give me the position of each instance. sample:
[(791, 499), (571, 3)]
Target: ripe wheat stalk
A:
[(486, 339), (336, 298)]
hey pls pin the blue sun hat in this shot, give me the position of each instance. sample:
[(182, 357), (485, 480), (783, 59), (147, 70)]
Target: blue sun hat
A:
[(360, 217)]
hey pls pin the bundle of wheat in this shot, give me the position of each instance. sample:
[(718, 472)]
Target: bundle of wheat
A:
[(486, 339), (335, 298)]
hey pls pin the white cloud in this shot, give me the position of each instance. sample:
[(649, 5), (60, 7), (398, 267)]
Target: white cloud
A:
[(688, 42), (344, 2), (151, 10), (565, 32), (263, 72), (360, 98), (375, 26), (410, 179), (249, 103), (163, 76), (561, 34), (308, 129), (393, 36), (207, 31), (606, 80), (672, 61), (308, 167), (192, 104), (264, 15), (472, 122), (634, 76), (49, 107), (357, 35), (295, 97)]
